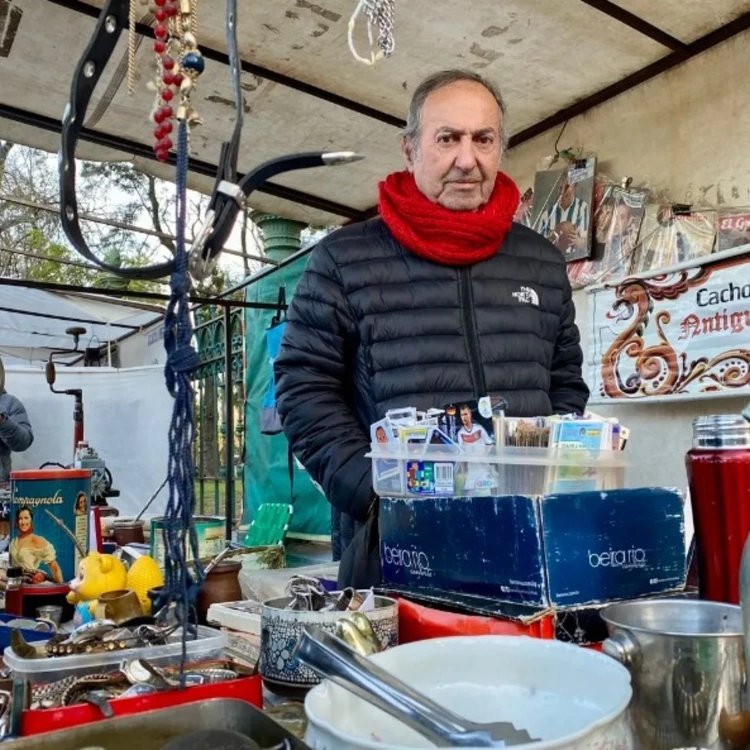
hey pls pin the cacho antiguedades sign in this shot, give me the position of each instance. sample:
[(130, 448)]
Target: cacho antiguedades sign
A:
[(684, 334)]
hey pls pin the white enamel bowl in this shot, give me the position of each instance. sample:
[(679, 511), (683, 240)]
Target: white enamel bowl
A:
[(567, 696)]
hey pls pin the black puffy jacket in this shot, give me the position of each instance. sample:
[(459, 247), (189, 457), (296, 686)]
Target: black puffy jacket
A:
[(374, 327)]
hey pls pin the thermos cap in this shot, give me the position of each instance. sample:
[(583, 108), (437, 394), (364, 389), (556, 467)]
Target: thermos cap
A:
[(723, 431)]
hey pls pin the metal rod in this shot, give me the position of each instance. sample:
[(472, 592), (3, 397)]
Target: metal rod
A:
[(265, 272), (637, 24), (74, 263), (229, 422), (258, 70), (204, 168), (117, 225), (118, 293), (50, 316)]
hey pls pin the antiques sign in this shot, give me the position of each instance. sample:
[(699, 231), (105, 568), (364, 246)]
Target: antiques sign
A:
[(682, 335)]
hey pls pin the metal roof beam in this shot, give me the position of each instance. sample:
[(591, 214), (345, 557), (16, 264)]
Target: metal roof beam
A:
[(712, 39), (638, 24), (258, 70), (36, 120)]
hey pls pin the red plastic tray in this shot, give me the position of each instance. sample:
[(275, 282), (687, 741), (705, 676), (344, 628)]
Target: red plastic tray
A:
[(248, 689), (417, 622)]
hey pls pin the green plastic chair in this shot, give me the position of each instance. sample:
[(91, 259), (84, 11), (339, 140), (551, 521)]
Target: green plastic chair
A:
[(270, 525)]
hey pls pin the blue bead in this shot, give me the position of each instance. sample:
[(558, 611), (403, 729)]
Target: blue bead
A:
[(194, 61)]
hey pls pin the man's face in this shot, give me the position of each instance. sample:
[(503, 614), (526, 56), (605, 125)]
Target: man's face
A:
[(567, 193), (458, 152), (466, 418), (621, 217), (380, 435)]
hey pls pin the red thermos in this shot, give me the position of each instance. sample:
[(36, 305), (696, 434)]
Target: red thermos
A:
[(718, 467)]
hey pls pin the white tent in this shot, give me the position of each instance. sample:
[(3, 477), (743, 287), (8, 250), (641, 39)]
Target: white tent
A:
[(127, 414), (33, 322)]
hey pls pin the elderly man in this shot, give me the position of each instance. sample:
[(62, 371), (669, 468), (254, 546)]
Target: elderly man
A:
[(441, 299), (15, 428)]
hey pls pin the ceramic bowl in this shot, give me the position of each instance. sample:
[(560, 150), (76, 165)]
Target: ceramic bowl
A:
[(282, 628), (567, 696)]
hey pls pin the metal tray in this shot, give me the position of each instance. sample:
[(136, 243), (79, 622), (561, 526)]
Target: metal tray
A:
[(153, 729)]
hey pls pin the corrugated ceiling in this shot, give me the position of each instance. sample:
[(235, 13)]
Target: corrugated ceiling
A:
[(544, 54)]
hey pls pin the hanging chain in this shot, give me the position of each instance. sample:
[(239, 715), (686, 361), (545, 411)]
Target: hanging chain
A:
[(132, 17), (380, 14)]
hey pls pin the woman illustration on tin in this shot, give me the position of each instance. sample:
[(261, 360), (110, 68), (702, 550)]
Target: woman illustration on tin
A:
[(29, 550), (81, 504)]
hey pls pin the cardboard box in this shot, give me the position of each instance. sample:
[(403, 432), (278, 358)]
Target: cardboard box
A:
[(561, 550)]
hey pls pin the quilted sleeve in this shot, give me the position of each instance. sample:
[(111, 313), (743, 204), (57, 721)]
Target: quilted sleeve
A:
[(15, 428), (320, 339), (568, 390)]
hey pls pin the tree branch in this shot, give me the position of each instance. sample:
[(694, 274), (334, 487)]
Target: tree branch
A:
[(155, 211)]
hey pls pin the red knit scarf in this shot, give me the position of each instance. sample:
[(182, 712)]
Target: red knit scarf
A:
[(453, 238)]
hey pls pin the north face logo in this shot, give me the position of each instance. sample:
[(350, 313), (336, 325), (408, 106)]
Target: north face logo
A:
[(527, 295)]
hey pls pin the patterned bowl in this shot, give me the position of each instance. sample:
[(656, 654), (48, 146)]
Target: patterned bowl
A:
[(282, 628)]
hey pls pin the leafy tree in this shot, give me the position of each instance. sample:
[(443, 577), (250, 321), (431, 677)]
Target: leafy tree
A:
[(31, 239)]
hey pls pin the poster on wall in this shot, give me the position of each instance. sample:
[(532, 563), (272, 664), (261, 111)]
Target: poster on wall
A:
[(562, 207), (617, 223), (672, 235), (681, 335), (733, 228)]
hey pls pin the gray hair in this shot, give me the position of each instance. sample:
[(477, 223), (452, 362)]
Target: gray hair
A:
[(438, 81)]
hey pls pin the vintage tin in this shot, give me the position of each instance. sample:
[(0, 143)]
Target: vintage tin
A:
[(211, 531), (41, 502)]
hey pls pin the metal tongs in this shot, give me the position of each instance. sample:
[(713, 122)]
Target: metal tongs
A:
[(332, 658)]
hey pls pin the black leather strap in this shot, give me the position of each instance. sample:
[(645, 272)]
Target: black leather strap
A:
[(227, 198)]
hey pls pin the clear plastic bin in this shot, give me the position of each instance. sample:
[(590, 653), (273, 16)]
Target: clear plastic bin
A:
[(408, 470), (207, 646)]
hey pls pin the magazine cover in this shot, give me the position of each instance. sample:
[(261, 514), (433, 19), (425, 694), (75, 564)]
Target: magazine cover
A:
[(523, 212), (733, 228), (562, 207), (671, 235), (48, 508), (617, 225)]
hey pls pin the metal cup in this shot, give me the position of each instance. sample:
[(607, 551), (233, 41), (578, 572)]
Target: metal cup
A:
[(50, 613)]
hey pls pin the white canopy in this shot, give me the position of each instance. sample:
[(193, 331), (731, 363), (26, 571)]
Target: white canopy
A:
[(33, 322)]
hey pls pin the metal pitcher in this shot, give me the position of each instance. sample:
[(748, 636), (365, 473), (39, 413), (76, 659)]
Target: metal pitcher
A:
[(686, 658)]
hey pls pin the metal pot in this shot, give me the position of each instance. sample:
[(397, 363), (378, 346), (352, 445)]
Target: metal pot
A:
[(686, 658)]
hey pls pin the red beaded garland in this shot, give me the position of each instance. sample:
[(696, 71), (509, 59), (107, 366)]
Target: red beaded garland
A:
[(167, 95), (160, 31), (160, 47), (168, 63)]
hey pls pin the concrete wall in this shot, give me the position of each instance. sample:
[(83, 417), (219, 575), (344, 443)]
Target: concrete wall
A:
[(683, 133)]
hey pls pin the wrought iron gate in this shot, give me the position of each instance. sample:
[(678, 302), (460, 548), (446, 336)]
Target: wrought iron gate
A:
[(219, 445)]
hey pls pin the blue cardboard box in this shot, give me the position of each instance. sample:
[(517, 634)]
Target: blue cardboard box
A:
[(560, 550)]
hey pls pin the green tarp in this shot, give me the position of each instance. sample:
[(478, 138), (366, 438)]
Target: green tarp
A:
[(266, 456)]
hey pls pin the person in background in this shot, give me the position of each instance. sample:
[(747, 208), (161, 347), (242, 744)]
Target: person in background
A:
[(15, 429), (439, 300)]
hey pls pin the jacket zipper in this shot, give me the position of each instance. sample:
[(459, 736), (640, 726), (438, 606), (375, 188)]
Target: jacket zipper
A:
[(467, 308)]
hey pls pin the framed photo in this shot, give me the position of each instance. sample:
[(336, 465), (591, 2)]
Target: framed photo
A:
[(562, 208)]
